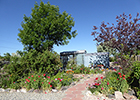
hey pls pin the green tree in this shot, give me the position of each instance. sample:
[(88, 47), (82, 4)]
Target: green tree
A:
[(103, 48), (7, 56), (46, 27)]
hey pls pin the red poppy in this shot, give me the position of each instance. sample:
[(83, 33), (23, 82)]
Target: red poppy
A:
[(34, 80), (58, 78), (123, 75), (28, 80), (71, 67), (95, 83), (42, 82), (107, 83), (48, 76), (115, 70), (123, 78), (81, 69), (119, 73), (13, 82), (117, 79), (28, 77), (120, 76), (50, 85), (101, 77), (45, 92), (32, 76), (38, 76), (96, 78), (44, 74)]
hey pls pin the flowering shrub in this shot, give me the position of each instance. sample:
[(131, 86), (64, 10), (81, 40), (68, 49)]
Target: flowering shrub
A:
[(82, 69), (113, 81)]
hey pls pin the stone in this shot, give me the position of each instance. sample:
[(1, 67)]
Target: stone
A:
[(111, 96), (23, 90), (54, 90), (18, 90), (7, 90), (131, 92), (118, 95), (64, 88), (36, 90), (2, 90), (12, 90), (88, 93), (31, 90), (73, 83), (126, 96)]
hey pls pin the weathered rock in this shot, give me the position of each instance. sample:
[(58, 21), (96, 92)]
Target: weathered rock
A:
[(129, 97), (118, 95), (36, 90), (2, 90), (131, 92), (23, 90), (18, 90), (73, 83), (7, 90), (12, 90), (64, 88), (88, 93), (54, 90), (31, 90), (111, 96)]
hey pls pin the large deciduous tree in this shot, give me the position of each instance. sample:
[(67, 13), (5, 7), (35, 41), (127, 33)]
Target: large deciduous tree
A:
[(46, 27), (124, 37)]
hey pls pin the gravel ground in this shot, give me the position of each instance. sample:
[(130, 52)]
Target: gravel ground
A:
[(31, 96)]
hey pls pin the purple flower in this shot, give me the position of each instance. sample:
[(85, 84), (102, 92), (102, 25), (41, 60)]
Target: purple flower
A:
[(56, 79)]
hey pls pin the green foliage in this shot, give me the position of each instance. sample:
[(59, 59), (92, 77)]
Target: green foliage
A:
[(46, 27), (32, 62), (134, 78), (136, 69), (7, 56), (113, 81), (82, 70), (71, 64), (102, 47)]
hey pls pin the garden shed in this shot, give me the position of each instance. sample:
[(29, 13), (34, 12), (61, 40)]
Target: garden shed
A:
[(87, 59)]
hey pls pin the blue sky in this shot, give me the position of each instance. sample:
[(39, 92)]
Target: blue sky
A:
[(86, 14)]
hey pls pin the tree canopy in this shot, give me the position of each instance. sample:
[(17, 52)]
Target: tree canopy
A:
[(123, 37), (46, 27)]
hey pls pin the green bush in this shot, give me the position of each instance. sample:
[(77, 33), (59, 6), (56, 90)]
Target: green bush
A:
[(82, 70), (134, 78), (32, 62), (113, 81)]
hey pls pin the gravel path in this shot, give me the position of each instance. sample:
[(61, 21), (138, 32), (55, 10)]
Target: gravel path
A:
[(31, 96)]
